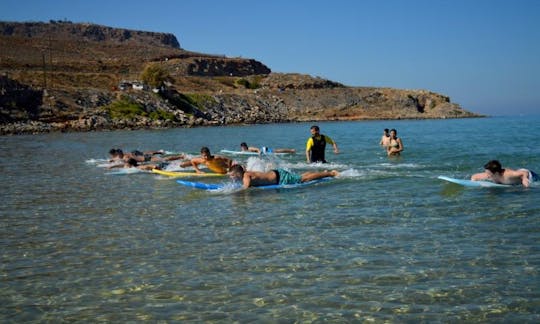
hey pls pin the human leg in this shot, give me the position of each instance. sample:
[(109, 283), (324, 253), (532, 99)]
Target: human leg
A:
[(308, 176), (284, 150)]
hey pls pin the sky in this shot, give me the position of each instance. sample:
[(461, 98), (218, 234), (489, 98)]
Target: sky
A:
[(483, 54)]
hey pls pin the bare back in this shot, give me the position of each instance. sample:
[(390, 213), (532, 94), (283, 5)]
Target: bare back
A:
[(512, 177), (256, 179), (218, 164)]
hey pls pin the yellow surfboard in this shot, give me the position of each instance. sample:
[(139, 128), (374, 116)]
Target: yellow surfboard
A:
[(185, 174)]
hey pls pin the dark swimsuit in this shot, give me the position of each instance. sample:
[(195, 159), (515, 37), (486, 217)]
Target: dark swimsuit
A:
[(277, 176)]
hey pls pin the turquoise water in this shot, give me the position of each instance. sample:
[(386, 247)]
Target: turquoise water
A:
[(387, 241)]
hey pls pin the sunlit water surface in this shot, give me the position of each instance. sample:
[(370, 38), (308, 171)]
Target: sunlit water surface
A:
[(387, 241)]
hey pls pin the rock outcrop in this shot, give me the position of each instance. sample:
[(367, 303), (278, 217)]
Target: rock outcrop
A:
[(89, 32)]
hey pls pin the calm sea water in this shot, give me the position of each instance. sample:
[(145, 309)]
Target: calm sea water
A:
[(388, 241)]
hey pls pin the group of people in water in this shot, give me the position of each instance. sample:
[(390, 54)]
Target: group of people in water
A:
[(392, 143), (315, 153), (493, 169)]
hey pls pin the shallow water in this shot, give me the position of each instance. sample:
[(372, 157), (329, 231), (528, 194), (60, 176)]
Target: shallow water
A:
[(387, 241)]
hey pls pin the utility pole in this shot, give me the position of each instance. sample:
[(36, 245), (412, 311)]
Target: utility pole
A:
[(44, 72), (50, 63)]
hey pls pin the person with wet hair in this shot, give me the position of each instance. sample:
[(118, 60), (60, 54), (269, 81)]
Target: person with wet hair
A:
[(395, 145), (265, 150), (316, 146), (493, 171), (275, 177), (217, 164)]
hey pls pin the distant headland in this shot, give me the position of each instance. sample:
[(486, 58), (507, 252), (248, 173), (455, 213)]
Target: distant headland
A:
[(64, 76)]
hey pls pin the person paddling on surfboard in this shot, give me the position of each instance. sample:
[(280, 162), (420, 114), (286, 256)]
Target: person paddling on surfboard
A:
[(495, 172), (264, 150), (133, 163), (218, 164), (274, 177), (117, 155), (316, 145), (245, 148)]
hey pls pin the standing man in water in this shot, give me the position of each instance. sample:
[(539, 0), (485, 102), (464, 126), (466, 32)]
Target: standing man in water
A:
[(316, 145), (385, 138)]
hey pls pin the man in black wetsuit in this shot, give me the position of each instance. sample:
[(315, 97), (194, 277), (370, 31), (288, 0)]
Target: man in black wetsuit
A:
[(316, 146)]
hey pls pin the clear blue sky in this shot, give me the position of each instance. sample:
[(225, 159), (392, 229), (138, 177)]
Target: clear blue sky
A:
[(483, 54)]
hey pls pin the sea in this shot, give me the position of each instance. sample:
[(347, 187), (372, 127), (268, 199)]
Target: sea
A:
[(386, 241)]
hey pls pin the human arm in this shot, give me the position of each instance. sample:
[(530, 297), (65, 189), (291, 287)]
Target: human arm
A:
[(334, 144), (154, 152), (525, 179), (480, 176), (185, 164), (522, 174), (195, 164), (147, 167), (246, 180), (174, 157), (309, 145)]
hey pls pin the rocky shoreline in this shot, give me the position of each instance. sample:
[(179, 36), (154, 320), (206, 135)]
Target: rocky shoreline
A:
[(90, 109)]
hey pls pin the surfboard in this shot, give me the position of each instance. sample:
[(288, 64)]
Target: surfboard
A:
[(231, 185), (470, 183), (249, 153), (185, 174), (124, 171)]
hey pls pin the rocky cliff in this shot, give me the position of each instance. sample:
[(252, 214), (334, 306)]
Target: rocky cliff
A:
[(61, 76), (58, 30)]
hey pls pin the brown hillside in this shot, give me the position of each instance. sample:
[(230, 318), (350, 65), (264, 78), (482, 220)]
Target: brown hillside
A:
[(75, 70)]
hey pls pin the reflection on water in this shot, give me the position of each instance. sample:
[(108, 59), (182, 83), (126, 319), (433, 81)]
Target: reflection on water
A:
[(385, 242)]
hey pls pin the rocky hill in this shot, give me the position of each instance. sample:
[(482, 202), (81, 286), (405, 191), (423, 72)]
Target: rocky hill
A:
[(63, 76)]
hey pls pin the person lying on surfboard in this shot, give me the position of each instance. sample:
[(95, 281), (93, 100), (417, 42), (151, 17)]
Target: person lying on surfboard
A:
[(245, 148), (495, 172), (216, 163), (117, 154), (273, 177), (132, 163)]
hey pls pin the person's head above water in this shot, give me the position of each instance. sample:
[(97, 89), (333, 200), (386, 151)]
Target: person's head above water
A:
[(493, 166), (236, 172), (205, 152)]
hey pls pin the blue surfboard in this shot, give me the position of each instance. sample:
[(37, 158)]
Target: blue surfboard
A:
[(231, 185), (470, 183)]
